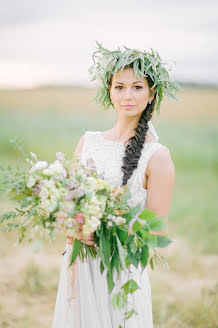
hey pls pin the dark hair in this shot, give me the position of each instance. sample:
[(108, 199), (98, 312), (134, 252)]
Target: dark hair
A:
[(134, 145)]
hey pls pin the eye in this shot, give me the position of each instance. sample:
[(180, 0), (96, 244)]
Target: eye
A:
[(118, 87), (138, 86)]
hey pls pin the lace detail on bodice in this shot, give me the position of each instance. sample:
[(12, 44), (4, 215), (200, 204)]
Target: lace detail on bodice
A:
[(107, 157)]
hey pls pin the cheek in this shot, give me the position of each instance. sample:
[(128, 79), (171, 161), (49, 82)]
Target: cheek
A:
[(116, 96), (142, 97)]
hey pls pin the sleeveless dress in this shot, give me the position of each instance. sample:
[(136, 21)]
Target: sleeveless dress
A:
[(83, 300)]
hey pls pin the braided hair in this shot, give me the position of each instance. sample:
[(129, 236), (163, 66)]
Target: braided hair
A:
[(134, 145)]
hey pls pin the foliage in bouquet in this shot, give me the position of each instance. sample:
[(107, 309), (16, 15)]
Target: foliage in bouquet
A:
[(67, 195)]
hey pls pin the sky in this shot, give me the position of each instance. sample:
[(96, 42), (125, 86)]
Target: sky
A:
[(51, 41)]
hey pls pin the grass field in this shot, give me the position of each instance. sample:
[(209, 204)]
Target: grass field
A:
[(53, 119)]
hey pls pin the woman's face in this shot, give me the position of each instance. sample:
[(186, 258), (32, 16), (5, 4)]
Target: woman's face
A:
[(129, 94)]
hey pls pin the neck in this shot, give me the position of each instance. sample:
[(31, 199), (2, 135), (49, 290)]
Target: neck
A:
[(125, 127)]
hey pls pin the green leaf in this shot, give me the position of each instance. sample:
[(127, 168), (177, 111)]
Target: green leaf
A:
[(137, 226), (133, 286), (130, 286), (120, 301), (76, 249), (163, 241), (105, 245), (133, 259), (114, 300), (7, 216), (127, 261), (101, 267), (121, 253), (125, 287), (110, 281), (132, 213), (157, 224), (122, 234), (144, 256), (140, 242), (138, 254), (33, 212), (129, 314), (133, 247), (146, 214), (152, 242), (115, 263), (145, 233), (21, 231), (151, 263)]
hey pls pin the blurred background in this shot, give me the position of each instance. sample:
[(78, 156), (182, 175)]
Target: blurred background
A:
[(46, 99)]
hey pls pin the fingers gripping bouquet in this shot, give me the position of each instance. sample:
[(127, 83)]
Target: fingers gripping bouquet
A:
[(71, 197)]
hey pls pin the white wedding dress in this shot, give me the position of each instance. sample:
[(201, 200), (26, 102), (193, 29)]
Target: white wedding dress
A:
[(83, 300)]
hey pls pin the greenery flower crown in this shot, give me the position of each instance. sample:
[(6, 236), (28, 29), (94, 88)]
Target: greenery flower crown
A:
[(107, 63)]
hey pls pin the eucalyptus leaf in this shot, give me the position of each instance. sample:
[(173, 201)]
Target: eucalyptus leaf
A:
[(163, 241), (76, 249)]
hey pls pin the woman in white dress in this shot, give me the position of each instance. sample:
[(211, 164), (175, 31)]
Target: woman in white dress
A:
[(129, 153)]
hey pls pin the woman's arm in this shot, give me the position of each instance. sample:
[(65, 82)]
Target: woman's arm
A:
[(160, 176), (79, 147)]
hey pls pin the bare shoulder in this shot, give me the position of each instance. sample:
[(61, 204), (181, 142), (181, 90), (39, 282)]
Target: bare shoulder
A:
[(161, 163), (79, 146)]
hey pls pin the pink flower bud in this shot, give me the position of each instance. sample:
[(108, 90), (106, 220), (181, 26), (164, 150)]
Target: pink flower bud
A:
[(36, 189), (80, 218), (60, 219)]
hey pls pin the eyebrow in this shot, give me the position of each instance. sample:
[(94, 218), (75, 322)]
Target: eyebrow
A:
[(133, 82)]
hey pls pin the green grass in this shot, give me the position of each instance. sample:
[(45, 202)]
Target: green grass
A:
[(193, 150)]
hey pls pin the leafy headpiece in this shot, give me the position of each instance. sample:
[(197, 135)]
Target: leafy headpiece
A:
[(107, 63)]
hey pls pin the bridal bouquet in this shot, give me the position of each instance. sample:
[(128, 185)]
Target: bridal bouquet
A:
[(69, 196)]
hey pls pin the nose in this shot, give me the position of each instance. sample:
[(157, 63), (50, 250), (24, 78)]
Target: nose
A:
[(127, 93)]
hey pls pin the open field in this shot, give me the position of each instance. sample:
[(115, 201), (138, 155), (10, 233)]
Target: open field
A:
[(50, 120)]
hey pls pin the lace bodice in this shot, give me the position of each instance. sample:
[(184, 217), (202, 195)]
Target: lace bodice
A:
[(107, 157)]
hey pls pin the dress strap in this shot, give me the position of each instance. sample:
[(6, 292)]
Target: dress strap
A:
[(147, 152), (153, 131)]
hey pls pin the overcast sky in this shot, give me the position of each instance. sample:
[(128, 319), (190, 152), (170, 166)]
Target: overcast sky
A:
[(51, 41)]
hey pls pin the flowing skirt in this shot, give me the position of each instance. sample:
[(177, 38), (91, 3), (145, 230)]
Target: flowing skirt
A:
[(83, 299)]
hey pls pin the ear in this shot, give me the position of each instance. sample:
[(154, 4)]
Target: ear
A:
[(151, 94)]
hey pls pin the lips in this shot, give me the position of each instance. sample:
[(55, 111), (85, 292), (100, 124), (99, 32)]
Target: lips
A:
[(128, 106)]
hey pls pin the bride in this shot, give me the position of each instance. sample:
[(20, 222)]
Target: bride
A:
[(129, 153)]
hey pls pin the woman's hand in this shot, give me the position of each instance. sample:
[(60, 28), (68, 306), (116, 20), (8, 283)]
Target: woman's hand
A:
[(88, 240)]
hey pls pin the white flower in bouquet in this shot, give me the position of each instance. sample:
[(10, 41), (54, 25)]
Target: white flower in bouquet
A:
[(56, 170), (43, 208), (69, 223), (60, 157), (40, 165), (31, 181), (79, 191), (34, 157), (91, 225), (116, 219), (67, 207), (92, 184)]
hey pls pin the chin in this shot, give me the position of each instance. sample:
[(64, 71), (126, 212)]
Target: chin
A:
[(130, 112)]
